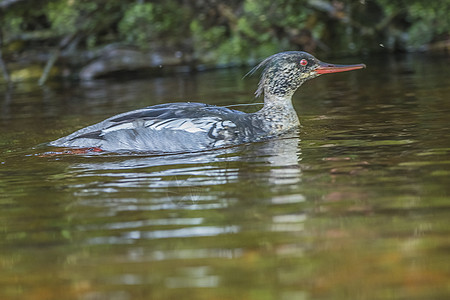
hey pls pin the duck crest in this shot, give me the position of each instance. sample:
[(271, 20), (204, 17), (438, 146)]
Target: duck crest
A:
[(281, 73)]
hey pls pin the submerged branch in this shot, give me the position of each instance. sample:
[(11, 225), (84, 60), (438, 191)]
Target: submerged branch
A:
[(56, 53)]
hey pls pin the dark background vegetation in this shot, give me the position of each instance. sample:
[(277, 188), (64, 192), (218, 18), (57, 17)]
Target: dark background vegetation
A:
[(92, 38)]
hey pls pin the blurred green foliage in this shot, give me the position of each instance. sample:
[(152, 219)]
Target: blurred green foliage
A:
[(143, 23), (428, 19), (228, 31)]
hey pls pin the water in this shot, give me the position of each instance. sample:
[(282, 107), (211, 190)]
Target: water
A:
[(355, 206)]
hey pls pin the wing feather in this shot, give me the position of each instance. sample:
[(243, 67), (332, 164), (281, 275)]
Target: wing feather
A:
[(183, 126)]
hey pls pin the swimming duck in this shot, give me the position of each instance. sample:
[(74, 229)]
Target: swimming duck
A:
[(190, 127)]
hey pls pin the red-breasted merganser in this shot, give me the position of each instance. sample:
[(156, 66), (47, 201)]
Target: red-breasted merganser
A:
[(189, 127)]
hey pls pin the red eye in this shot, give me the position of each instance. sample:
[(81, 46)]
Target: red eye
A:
[(303, 62)]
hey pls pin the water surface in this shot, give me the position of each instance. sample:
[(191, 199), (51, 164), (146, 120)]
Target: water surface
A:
[(354, 206)]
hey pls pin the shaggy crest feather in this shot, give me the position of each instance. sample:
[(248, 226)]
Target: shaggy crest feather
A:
[(266, 63)]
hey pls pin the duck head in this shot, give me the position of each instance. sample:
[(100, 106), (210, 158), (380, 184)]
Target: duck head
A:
[(285, 72)]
